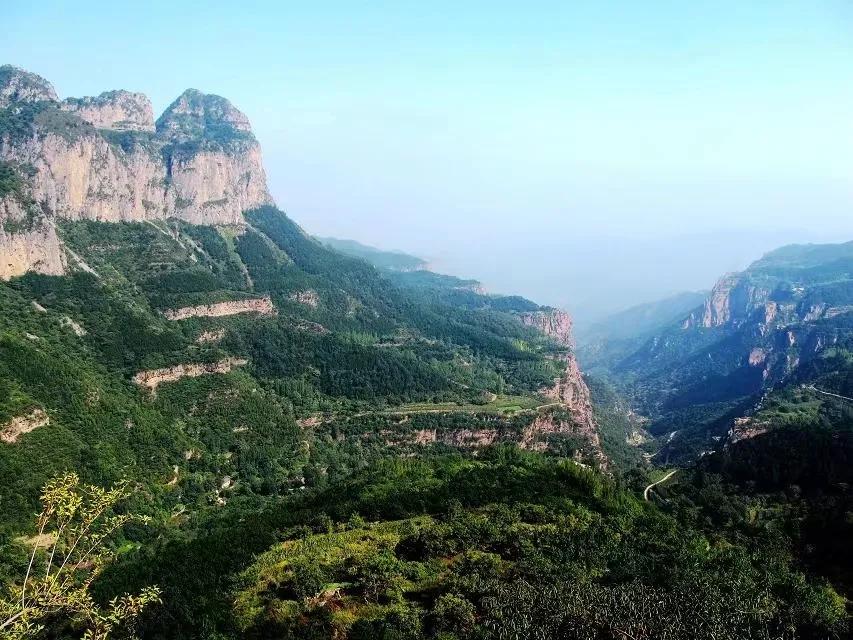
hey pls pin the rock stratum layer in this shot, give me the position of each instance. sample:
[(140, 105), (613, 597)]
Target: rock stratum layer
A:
[(104, 158), (555, 323), (262, 306), (155, 377)]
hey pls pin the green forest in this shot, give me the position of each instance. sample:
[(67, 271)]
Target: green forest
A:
[(378, 459)]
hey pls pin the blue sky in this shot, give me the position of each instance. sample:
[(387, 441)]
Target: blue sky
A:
[(587, 154)]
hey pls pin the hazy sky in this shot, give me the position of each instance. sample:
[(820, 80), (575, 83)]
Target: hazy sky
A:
[(586, 154)]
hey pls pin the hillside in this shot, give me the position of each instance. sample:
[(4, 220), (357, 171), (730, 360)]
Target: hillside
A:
[(787, 316), (197, 357), (322, 447), (391, 260), (622, 332)]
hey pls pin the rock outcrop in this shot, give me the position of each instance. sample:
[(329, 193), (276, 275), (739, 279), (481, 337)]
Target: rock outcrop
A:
[(195, 115), (30, 249), (17, 85), (309, 298), (104, 158), (155, 377), (542, 432), (210, 336), (16, 427), (732, 300), (262, 306), (116, 110), (569, 389), (555, 323)]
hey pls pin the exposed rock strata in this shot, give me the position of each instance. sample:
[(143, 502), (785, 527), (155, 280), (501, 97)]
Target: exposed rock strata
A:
[(199, 162), (569, 389), (117, 110), (538, 435), (36, 248), (555, 323), (262, 306), (152, 379), (210, 336), (308, 298), (16, 427), (745, 428), (731, 300)]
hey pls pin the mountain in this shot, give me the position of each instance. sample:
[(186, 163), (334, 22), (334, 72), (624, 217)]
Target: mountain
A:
[(391, 260), (757, 330), (105, 159), (323, 448), (151, 280), (621, 332)]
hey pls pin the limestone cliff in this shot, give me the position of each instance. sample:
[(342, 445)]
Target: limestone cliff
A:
[(105, 159), (17, 85), (118, 110), (26, 243), (262, 306), (569, 389), (555, 323), (154, 378)]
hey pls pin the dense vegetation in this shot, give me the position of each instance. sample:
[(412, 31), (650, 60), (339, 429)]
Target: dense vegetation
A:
[(781, 320), (333, 482), (507, 545)]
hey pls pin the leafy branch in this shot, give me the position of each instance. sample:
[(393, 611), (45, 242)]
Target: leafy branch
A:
[(68, 554)]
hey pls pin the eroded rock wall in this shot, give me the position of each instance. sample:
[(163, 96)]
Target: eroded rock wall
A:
[(153, 378), (263, 306), (105, 159)]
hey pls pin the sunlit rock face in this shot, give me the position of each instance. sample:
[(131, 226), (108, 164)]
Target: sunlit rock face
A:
[(555, 323), (104, 158), (117, 110), (569, 389), (19, 86)]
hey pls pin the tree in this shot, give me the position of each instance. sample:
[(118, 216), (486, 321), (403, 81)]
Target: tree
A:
[(68, 554)]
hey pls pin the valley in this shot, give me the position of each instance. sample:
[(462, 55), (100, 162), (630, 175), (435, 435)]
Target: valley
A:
[(319, 439)]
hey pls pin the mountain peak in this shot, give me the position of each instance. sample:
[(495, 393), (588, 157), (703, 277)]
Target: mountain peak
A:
[(119, 110), (202, 115), (19, 85)]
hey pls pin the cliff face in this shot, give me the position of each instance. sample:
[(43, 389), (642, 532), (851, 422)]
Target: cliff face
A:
[(569, 389), (731, 301), (117, 110), (555, 323), (27, 245), (105, 159), (262, 306)]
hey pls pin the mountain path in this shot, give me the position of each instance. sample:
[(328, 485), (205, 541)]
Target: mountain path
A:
[(654, 484), (827, 393)]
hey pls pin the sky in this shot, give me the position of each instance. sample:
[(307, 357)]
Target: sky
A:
[(589, 155)]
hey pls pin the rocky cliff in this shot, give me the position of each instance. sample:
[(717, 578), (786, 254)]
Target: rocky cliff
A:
[(555, 323), (569, 389), (105, 158), (118, 110)]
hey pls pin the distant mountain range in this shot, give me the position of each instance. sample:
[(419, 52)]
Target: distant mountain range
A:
[(320, 439), (786, 320), (391, 260)]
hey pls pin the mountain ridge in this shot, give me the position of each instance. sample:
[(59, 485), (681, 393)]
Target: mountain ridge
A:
[(105, 158)]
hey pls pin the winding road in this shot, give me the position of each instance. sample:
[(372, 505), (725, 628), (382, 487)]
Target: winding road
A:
[(653, 484), (827, 393)]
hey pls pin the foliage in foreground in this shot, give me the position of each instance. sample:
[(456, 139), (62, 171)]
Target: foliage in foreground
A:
[(68, 553), (507, 545)]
